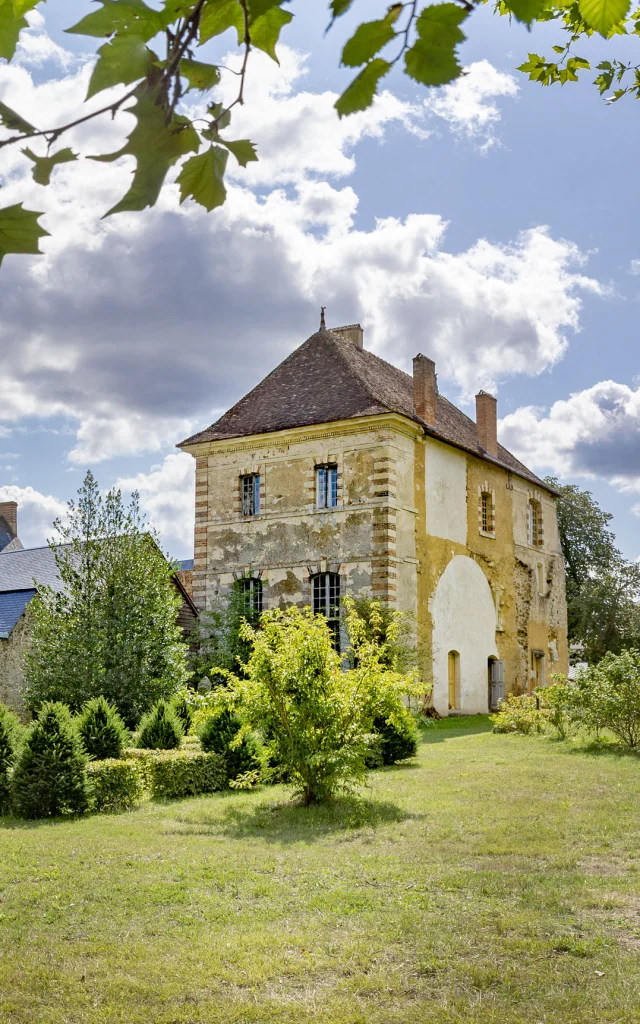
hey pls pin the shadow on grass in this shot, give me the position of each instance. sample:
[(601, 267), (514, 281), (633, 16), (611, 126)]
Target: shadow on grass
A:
[(290, 822), (454, 727), (599, 748)]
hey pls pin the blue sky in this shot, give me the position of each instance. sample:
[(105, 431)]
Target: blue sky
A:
[(102, 366)]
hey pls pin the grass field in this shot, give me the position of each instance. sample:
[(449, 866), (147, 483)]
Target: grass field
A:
[(494, 879)]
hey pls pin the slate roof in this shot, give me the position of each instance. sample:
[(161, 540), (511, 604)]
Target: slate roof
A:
[(185, 565), (12, 605), (19, 568), (328, 379)]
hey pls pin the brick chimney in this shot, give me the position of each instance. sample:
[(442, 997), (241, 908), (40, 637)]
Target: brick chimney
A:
[(352, 333), (487, 422), (9, 512), (425, 388)]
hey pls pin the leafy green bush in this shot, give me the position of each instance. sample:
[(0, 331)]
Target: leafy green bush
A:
[(160, 728), (559, 707), (49, 775), (614, 683), (519, 714), (115, 784), (316, 717), (178, 773), (182, 707), (398, 737), (102, 731), (222, 733), (10, 734)]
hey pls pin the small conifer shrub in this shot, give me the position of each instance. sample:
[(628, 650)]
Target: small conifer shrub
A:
[(219, 734), (102, 731), (160, 728), (49, 775), (10, 730), (183, 710), (398, 737)]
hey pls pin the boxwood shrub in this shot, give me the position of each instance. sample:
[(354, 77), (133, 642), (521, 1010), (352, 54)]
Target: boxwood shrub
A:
[(178, 773), (116, 784)]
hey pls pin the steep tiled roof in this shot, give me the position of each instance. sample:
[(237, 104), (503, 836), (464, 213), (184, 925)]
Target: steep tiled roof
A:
[(328, 379), (12, 605), (18, 569)]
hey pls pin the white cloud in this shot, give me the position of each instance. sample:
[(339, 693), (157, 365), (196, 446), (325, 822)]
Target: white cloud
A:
[(36, 47), (635, 267), (467, 105), (142, 327), (166, 496), (595, 432), (36, 513)]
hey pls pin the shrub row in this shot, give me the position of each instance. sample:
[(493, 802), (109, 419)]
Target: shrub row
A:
[(606, 696), (177, 773)]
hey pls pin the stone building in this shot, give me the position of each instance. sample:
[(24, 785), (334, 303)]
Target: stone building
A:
[(341, 474), (22, 570)]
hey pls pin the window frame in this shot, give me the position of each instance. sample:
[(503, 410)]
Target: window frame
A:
[(250, 494), (251, 590), (326, 591), (326, 485), (534, 523)]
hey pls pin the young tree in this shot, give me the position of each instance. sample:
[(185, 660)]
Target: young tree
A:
[(49, 776), (420, 38), (603, 589), (317, 719), (111, 630)]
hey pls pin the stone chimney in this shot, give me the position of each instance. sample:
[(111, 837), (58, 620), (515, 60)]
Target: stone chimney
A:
[(352, 333), (9, 512), (425, 388), (487, 422)]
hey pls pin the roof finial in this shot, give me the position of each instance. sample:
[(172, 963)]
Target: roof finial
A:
[(323, 326)]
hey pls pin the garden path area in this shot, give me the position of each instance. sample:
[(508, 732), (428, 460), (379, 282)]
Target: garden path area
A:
[(494, 879)]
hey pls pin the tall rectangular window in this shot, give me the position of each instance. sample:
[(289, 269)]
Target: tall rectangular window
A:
[(250, 495), (326, 601), (326, 486), (534, 522)]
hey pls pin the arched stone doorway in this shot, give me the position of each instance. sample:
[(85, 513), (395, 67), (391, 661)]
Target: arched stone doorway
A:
[(464, 623)]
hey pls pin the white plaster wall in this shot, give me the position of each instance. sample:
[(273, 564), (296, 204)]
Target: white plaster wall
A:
[(446, 492), (464, 620)]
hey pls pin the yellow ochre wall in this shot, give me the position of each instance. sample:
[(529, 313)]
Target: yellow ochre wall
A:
[(406, 531)]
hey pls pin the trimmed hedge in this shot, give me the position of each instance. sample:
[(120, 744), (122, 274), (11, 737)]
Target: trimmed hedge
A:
[(115, 784), (179, 773), (102, 731), (160, 728), (219, 733)]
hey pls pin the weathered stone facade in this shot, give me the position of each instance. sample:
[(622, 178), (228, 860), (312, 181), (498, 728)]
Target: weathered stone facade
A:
[(408, 528)]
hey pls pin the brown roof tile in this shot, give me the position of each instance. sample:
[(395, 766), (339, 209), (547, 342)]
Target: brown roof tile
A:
[(328, 379)]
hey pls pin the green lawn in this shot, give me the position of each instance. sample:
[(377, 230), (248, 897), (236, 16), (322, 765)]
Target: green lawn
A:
[(495, 879)]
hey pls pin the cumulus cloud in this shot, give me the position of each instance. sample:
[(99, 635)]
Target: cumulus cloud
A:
[(36, 513), (143, 327), (166, 496), (595, 432), (635, 268), (468, 105)]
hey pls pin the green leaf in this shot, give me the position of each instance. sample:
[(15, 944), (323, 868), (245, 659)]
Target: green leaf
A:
[(10, 119), (215, 110), (366, 41), (19, 230), (43, 165), (199, 75), (359, 95), (603, 15), (432, 59), (339, 7), (260, 7), (526, 11), (124, 16), (265, 30), (217, 18), (202, 178), (123, 60), (155, 145), (10, 28), (243, 150), (21, 7)]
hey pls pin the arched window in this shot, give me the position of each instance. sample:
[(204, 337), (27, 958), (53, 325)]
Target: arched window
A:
[(326, 601), (534, 523), (453, 666), (251, 591)]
